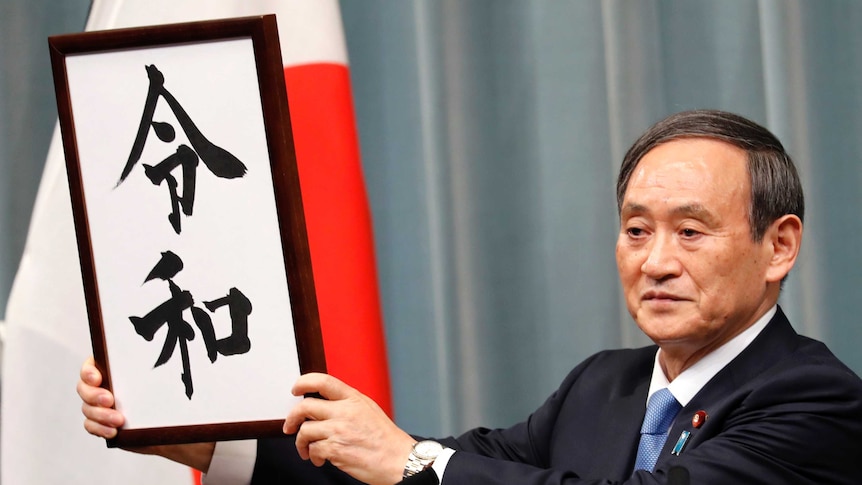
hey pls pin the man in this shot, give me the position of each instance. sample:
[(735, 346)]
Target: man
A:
[(711, 212)]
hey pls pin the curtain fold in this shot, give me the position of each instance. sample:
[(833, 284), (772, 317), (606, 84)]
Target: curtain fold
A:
[(492, 133)]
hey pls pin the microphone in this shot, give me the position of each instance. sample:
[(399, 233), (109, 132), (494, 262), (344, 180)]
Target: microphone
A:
[(678, 475)]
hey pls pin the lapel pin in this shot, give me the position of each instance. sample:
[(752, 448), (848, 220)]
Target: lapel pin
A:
[(680, 443), (699, 418)]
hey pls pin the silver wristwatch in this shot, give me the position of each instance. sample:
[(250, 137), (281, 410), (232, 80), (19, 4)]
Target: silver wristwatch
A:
[(422, 456)]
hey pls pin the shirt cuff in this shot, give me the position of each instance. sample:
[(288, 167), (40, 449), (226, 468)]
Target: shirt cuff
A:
[(232, 463), (440, 463)]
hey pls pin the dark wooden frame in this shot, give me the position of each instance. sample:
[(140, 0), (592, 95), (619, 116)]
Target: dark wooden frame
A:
[(264, 35)]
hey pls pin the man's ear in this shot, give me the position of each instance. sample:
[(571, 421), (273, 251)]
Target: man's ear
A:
[(783, 238)]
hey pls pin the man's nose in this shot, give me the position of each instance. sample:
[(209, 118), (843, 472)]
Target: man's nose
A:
[(662, 260)]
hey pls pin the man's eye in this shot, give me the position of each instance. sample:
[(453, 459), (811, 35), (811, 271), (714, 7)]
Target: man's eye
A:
[(634, 231), (689, 232)]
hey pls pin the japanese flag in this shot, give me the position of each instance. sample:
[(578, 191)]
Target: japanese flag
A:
[(43, 441)]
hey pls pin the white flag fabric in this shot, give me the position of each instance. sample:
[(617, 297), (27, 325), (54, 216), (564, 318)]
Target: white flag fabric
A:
[(42, 440)]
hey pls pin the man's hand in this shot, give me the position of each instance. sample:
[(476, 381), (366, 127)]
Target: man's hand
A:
[(101, 420), (349, 430), (104, 421)]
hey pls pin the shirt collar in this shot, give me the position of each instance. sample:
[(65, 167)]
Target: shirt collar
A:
[(692, 380)]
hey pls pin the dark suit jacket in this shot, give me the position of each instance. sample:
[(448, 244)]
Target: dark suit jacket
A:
[(785, 411)]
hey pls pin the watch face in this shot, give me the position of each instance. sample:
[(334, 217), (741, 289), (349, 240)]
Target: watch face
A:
[(427, 449)]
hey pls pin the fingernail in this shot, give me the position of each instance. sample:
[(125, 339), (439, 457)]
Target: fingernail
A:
[(90, 377), (104, 401)]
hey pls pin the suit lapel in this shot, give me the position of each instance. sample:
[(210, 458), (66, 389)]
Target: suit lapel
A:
[(721, 394), (623, 417)]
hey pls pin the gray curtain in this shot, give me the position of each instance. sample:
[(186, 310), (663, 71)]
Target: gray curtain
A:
[(28, 113), (491, 133)]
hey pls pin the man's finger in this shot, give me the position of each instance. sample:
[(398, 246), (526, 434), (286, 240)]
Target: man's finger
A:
[(327, 386), (90, 373), (310, 432), (95, 396), (309, 409), (103, 416), (313, 442), (316, 453), (99, 430)]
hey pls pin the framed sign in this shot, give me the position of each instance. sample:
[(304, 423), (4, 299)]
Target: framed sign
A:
[(189, 223)]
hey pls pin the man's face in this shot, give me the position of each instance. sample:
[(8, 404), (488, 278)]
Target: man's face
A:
[(691, 274)]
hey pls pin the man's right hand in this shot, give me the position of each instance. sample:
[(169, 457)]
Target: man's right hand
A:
[(103, 420)]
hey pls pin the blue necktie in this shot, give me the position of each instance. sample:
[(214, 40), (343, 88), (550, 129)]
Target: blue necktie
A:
[(662, 407)]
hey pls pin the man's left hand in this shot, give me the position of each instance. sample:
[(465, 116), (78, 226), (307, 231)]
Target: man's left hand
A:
[(348, 429)]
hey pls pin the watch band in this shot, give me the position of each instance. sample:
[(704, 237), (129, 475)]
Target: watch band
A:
[(421, 457), (425, 477)]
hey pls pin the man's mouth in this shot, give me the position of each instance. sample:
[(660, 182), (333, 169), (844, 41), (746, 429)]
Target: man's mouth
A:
[(653, 295)]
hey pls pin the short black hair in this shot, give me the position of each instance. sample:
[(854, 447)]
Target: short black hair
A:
[(775, 186)]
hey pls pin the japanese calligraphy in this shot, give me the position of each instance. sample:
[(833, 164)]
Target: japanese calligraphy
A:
[(218, 160), (170, 313)]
